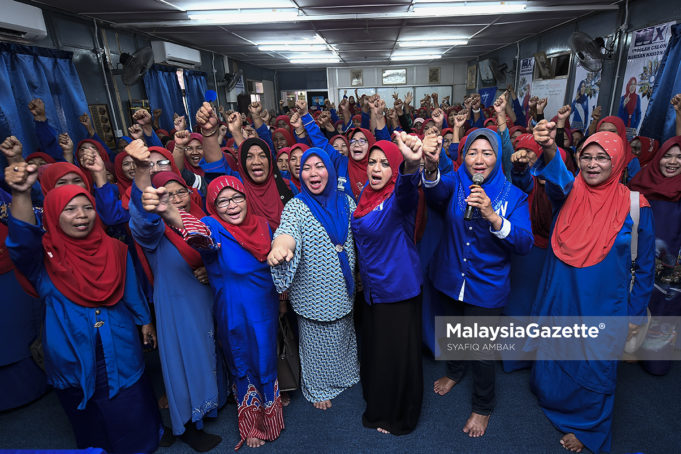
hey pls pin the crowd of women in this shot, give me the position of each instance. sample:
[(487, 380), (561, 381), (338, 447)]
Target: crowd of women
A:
[(359, 227)]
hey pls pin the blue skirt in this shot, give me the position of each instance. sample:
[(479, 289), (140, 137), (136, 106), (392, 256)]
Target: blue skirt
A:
[(572, 408), (129, 422)]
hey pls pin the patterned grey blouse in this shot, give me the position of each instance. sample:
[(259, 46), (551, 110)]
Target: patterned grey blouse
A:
[(313, 277)]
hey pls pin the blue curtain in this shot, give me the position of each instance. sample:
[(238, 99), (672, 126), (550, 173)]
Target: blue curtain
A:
[(659, 122), (163, 91), (33, 72), (195, 87)]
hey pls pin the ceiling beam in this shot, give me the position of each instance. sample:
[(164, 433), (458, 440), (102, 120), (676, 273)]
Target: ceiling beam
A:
[(377, 16)]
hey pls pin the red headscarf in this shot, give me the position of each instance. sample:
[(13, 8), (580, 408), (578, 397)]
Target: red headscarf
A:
[(287, 135), (541, 211), (170, 145), (652, 183), (39, 154), (649, 148), (253, 233), (282, 151), (592, 216), (100, 149), (125, 197), (53, 172), (264, 198), (89, 271), (295, 178), (357, 170), (340, 136), (187, 164), (371, 198), (622, 132), (357, 118), (122, 180), (190, 255), (284, 118)]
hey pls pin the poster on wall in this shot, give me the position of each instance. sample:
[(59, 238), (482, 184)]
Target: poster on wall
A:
[(552, 89), (646, 48), (523, 89), (584, 97)]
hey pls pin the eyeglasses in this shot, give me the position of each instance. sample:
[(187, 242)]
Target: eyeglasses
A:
[(161, 163), (224, 203), (180, 194), (359, 142), (199, 148), (601, 159)]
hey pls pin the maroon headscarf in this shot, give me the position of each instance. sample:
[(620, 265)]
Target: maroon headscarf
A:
[(357, 170), (651, 182)]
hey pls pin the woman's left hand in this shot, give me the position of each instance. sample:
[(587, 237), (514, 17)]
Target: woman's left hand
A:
[(201, 275), (478, 199), (149, 336)]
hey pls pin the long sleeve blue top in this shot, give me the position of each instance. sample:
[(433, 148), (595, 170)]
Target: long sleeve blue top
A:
[(473, 262), (69, 333), (388, 260)]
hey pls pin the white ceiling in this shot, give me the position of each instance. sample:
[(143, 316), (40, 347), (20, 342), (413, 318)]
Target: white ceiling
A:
[(358, 32)]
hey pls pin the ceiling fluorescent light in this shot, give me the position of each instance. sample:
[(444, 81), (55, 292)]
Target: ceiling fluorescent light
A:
[(314, 60), (239, 4), (244, 16), (307, 40), (434, 43), (312, 56), (414, 57), (292, 48), (468, 8)]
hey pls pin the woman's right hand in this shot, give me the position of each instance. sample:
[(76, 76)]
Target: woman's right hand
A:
[(155, 200), (20, 176), (280, 252)]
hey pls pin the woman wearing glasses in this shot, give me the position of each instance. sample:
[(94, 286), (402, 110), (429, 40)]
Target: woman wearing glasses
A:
[(234, 242), (589, 244), (182, 300)]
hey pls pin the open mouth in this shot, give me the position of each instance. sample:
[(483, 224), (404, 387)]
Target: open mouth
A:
[(315, 184), (671, 169), (82, 227), (196, 158), (258, 171), (375, 180), (234, 216)]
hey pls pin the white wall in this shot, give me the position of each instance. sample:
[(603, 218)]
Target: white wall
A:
[(452, 74)]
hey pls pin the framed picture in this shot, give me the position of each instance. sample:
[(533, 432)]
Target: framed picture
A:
[(394, 76), (356, 78), (434, 75), (471, 77)]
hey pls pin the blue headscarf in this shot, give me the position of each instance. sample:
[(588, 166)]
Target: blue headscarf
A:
[(496, 184), (332, 211)]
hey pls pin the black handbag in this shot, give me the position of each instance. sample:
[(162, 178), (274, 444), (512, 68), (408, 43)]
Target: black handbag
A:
[(288, 361)]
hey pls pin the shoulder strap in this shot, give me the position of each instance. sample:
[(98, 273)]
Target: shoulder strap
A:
[(635, 212)]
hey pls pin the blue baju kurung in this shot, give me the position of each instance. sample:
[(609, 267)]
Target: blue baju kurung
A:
[(184, 322), (246, 314), (578, 396)]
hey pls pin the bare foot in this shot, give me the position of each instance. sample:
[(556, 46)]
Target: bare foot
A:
[(253, 442), (163, 402), (476, 425), (443, 385), (285, 399), (383, 431), (323, 405), (571, 443)]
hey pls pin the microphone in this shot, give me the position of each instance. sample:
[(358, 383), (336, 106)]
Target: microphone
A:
[(477, 179)]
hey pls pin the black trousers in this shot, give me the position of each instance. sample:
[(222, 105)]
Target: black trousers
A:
[(483, 368)]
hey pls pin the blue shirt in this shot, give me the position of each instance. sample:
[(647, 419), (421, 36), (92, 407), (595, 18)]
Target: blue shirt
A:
[(388, 260), (473, 262), (69, 334)]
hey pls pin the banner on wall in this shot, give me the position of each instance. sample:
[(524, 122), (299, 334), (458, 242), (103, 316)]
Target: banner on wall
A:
[(487, 96), (646, 48), (524, 87), (584, 97), (552, 89)]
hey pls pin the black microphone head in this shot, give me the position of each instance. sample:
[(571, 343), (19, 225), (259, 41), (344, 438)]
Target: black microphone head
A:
[(478, 178)]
